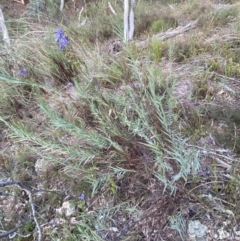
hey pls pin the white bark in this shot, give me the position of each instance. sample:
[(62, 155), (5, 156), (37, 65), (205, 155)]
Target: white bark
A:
[(61, 5), (3, 27), (131, 20), (128, 21), (125, 19)]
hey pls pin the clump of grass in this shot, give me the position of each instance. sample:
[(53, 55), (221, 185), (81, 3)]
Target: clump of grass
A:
[(117, 72), (192, 47), (153, 19), (225, 58), (163, 24), (100, 25), (181, 49), (231, 187), (202, 87), (218, 17), (36, 8), (192, 10), (228, 134), (28, 227), (156, 50), (195, 123), (132, 52), (131, 132), (46, 9), (53, 64), (230, 51), (228, 67), (17, 27)]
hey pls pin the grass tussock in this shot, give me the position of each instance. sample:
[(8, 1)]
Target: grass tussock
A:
[(135, 144)]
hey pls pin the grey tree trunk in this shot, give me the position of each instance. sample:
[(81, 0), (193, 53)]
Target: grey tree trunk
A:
[(3, 27), (128, 19)]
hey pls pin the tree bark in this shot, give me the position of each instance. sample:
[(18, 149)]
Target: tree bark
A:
[(131, 20), (128, 19), (3, 27), (125, 19)]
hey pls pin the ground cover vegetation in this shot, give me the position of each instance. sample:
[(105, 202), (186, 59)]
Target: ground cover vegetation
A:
[(106, 140)]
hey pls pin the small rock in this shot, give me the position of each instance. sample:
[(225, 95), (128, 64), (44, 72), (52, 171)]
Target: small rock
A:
[(67, 209), (74, 221), (222, 234), (113, 229), (41, 167), (197, 231)]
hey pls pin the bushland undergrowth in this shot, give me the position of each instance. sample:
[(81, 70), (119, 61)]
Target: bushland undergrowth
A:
[(140, 142)]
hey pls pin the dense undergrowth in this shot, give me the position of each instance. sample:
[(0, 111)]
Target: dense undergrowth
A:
[(139, 141)]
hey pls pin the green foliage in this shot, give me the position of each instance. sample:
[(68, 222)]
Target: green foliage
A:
[(43, 8), (36, 7), (63, 66), (218, 17), (229, 134), (156, 50), (195, 9), (178, 224), (52, 8), (99, 24), (163, 24), (228, 68), (144, 17), (183, 50), (202, 87), (178, 51), (113, 125), (28, 227), (153, 18), (17, 27), (232, 189), (223, 16)]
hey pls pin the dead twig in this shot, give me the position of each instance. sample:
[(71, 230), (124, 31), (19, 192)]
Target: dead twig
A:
[(13, 231), (7, 233), (112, 9), (29, 193), (34, 213)]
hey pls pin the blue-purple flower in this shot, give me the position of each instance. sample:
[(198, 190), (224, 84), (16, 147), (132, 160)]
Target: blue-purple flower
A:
[(59, 35), (63, 42), (82, 196), (23, 72), (61, 39)]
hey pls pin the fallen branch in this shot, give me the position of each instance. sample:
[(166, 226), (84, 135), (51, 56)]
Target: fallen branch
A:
[(8, 183), (34, 214), (7, 233), (168, 34)]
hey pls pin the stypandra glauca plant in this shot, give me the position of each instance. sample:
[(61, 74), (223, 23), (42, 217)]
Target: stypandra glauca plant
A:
[(112, 135), (133, 118)]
